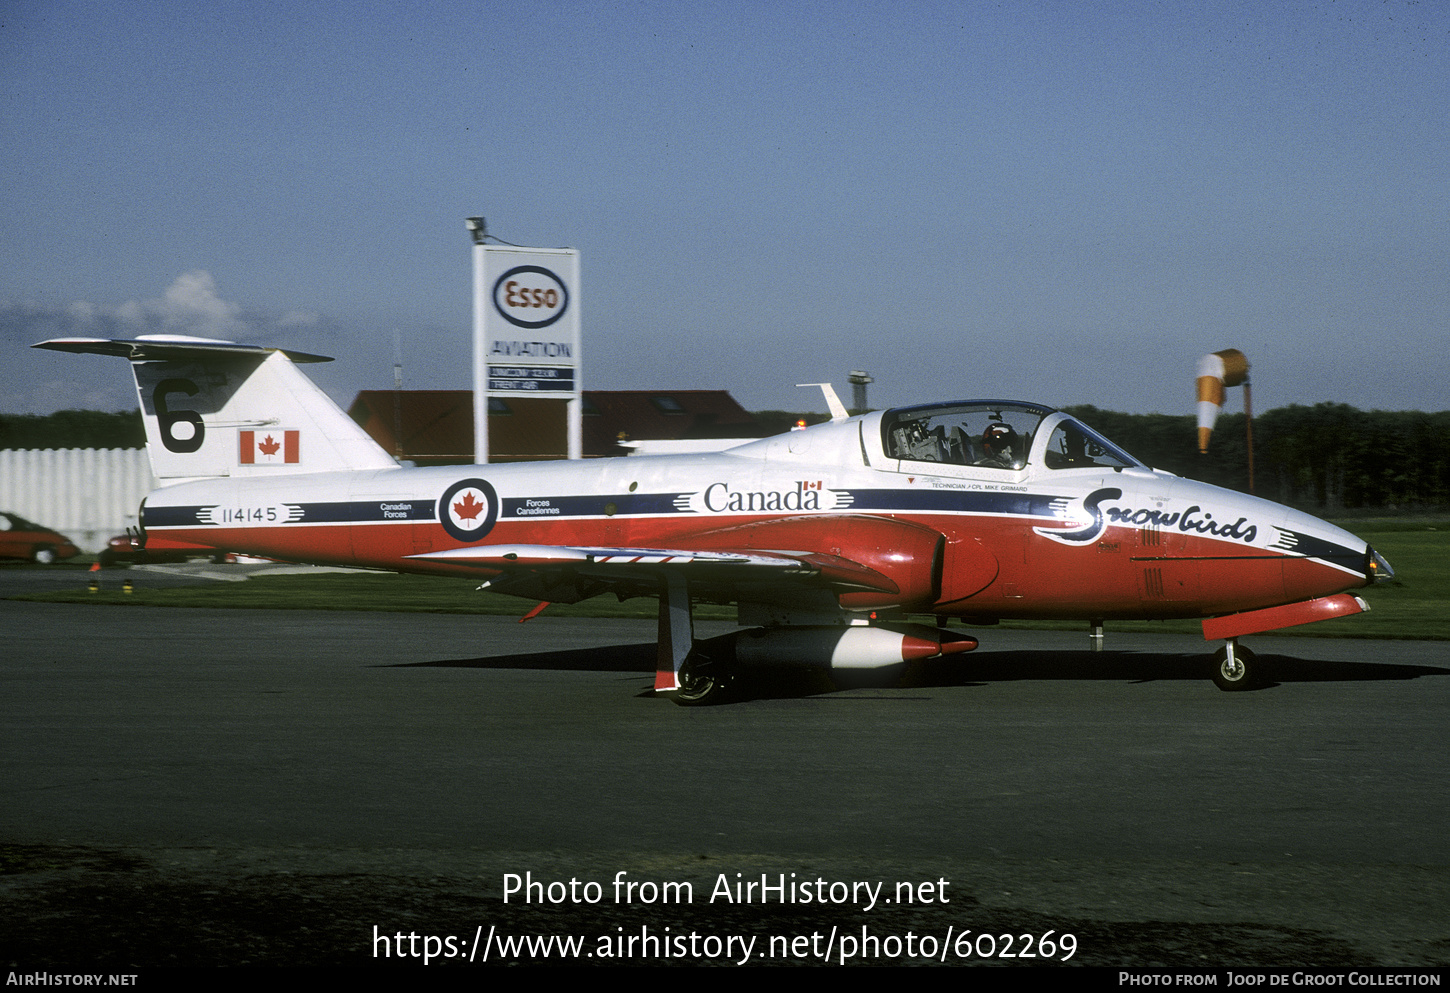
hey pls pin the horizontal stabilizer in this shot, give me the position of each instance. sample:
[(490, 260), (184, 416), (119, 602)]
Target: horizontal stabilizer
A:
[(218, 408), (168, 346)]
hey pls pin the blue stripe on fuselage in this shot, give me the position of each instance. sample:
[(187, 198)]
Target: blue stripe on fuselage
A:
[(621, 505)]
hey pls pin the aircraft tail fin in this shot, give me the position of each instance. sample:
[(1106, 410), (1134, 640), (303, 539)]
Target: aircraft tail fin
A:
[(217, 408)]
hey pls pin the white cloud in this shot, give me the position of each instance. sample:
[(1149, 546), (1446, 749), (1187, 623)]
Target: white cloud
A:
[(191, 305), (299, 319)]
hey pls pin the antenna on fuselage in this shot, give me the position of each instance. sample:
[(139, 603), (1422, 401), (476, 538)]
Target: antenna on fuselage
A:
[(833, 402)]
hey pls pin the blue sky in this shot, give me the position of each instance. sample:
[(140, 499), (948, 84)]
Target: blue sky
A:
[(1061, 202)]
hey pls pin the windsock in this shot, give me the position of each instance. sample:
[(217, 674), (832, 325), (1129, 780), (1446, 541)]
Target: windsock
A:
[(1226, 368)]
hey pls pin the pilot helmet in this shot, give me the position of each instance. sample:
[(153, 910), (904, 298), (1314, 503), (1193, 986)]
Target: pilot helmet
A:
[(999, 438)]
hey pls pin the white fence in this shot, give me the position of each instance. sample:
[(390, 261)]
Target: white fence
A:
[(87, 494)]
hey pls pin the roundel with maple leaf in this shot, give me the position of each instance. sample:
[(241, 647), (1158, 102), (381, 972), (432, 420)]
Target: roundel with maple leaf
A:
[(468, 509)]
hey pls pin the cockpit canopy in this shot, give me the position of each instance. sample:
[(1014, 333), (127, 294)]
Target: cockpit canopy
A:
[(997, 434)]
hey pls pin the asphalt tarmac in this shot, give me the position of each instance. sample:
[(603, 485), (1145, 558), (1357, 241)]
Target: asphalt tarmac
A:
[(213, 787)]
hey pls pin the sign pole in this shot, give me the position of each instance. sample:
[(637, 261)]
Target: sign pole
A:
[(478, 227)]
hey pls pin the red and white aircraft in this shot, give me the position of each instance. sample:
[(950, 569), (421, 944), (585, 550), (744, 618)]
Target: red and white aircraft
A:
[(825, 538)]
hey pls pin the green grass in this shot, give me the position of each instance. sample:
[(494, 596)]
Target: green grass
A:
[(1415, 604), (384, 591)]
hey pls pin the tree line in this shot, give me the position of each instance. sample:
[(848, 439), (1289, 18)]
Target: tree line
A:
[(72, 429), (1328, 457)]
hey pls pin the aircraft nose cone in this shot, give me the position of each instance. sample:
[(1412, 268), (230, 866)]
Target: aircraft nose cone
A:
[(1379, 570)]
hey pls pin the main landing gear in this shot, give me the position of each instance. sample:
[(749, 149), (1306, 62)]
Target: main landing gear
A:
[(1235, 667), (703, 680), (697, 689), (685, 668)]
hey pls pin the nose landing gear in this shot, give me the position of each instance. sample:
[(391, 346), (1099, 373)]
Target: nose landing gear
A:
[(1235, 667)]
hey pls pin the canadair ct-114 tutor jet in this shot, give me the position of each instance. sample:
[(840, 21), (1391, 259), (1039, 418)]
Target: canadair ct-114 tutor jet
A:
[(825, 538)]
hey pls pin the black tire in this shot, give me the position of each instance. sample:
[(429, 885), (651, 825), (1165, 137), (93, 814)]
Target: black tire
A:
[(702, 683), (1241, 674)]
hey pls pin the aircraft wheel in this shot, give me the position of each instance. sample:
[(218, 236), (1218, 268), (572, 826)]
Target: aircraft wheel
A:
[(702, 682), (1239, 673), (44, 555)]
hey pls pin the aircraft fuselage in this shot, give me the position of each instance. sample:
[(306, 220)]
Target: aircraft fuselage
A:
[(824, 537), (1095, 541)]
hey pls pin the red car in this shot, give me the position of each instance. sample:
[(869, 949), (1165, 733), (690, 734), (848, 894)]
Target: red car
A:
[(125, 548), (22, 539)]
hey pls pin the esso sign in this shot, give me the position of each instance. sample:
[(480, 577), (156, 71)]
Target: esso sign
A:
[(530, 296)]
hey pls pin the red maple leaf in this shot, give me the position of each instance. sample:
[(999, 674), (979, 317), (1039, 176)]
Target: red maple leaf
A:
[(269, 447), (469, 508)]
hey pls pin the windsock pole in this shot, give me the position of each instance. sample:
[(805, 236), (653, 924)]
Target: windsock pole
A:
[(1249, 428)]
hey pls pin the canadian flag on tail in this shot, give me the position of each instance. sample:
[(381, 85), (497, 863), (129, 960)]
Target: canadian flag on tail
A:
[(269, 447)]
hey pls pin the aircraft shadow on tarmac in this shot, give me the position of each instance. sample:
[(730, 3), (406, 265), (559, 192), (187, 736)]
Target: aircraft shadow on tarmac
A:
[(976, 670)]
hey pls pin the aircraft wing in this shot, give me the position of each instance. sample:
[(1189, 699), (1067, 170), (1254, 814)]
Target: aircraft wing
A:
[(867, 561), (523, 566)]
